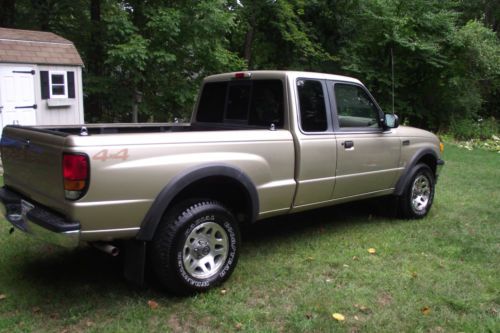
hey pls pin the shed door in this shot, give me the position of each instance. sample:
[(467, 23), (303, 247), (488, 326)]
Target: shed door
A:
[(17, 96)]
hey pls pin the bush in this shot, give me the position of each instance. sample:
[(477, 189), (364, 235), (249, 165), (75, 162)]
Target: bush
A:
[(467, 129)]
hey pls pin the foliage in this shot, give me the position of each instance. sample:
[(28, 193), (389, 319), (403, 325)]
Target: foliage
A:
[(150, 56), (467, 129), (158, 54), (439, 274), (491, 144), (416, 33)]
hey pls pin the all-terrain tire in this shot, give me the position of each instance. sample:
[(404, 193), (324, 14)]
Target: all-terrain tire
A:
[(418, 195), (195, 247)]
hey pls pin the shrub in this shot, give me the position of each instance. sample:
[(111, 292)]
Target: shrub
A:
[(467, 129)]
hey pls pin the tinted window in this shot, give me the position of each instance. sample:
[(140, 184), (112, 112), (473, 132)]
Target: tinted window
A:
[(256, 103), (354, 107), (212, 102), (267, 103), (312, 106), (238, 102)]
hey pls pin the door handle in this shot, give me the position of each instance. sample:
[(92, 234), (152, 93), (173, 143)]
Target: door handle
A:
[(348, 144)]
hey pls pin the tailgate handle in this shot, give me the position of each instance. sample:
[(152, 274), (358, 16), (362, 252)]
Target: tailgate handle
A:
[(34, 106)]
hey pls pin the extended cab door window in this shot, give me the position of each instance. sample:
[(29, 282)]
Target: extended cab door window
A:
[(355, 108), (312, 108)]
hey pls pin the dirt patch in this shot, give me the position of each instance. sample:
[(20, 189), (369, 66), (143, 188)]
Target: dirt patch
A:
[(174, 324), (384, 299)]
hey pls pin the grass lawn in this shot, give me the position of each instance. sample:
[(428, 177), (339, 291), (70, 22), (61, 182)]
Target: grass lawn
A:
[(439, 274)]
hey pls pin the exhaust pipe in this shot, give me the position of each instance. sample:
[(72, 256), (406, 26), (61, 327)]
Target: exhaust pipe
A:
[(106, 248)]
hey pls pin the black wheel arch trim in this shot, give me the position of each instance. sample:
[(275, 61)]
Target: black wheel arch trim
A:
[(185, 179), (406, 176)]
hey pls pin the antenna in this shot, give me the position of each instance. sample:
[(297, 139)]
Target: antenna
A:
[(392, 74)]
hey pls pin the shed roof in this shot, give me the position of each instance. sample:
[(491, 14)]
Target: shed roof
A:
[(37, 47)]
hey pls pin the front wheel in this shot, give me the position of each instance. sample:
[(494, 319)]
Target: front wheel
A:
[(418, 196), (195, 247)]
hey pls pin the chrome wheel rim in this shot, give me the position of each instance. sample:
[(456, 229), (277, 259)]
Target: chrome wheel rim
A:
[(420, 193), (205, 250)]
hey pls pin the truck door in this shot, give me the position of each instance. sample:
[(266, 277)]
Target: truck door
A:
[(367, 156), (316, 145)]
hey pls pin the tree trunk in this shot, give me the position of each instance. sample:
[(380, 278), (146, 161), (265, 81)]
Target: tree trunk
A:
[(135, 105), (95, 57), (95, 60), (247, 55), (489, 16), (7, 13), (43, 14)]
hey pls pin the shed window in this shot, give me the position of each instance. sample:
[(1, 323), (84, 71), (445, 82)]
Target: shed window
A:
[(58, 85)]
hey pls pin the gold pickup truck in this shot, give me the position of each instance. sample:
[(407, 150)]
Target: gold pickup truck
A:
[(259, 144)]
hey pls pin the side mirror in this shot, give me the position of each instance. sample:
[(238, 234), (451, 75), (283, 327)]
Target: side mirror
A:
[(391, 120)]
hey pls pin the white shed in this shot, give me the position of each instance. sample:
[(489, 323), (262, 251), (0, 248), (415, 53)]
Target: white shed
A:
[(40, 79)]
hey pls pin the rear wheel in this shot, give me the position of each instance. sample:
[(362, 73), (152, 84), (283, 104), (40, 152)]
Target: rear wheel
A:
[(195, 247), (418, 196)]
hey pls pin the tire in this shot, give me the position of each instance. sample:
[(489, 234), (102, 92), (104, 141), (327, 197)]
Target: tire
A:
[(418, 195), (195, 247)]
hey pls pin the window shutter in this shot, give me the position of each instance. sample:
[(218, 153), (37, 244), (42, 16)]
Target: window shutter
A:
[(71, 84), (44, 82)]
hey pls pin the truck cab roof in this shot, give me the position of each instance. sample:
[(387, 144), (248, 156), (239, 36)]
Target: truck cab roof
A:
[(268, 74)]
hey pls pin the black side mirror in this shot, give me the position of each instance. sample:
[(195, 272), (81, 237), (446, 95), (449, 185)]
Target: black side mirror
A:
[(391, 120)]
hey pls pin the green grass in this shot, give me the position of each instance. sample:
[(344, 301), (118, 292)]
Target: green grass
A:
[(293, 272)]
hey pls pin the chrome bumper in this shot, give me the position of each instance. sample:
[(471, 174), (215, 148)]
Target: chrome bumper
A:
[(38, 221)]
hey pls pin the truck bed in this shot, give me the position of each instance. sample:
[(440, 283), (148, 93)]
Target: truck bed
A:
[(117, 128)]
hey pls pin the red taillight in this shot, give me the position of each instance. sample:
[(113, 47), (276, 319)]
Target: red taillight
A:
[(75, 174), (75, 167)]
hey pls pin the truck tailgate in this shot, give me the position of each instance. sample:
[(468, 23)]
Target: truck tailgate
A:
[(32, 162)]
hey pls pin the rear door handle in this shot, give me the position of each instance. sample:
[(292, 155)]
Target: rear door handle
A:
[(348, 144)]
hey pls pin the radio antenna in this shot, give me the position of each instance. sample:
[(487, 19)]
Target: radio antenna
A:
[(392, 75)]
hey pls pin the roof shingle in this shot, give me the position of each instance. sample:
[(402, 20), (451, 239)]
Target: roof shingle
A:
[(38, 47)]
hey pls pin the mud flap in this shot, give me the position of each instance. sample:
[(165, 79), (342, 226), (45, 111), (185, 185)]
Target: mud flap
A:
[(135, 262)]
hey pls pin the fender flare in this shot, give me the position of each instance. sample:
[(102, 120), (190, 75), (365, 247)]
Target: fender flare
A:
[(182, 181), (406, 176)]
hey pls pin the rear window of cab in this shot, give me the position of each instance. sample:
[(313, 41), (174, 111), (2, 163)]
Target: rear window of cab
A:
[(247, 102)]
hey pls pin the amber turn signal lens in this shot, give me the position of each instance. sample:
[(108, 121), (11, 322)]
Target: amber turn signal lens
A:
[(74, 185), (441, 147)]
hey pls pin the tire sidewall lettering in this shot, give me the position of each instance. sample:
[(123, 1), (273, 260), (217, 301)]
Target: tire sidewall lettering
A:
[(198, 221), (233, 249)]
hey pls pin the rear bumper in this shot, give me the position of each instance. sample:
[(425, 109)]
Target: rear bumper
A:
[(38, 221)]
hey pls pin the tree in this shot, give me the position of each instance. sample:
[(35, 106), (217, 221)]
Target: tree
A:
[(276, 36), (8, 13), (145, 58)]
